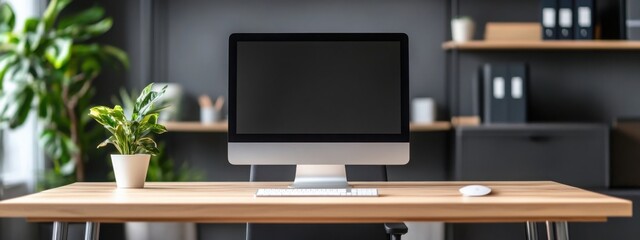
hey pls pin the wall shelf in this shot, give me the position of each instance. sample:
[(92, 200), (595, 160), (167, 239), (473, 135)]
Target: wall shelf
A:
[(222, 127), (543, 45), (430, 127), (195, 127)]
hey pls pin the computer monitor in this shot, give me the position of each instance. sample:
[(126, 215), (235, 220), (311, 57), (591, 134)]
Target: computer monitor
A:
[(320, 101)]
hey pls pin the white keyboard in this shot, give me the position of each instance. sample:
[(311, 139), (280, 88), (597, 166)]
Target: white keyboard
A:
[(320, 192)]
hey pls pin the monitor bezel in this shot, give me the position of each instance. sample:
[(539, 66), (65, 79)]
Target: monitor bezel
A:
[(404, 134)]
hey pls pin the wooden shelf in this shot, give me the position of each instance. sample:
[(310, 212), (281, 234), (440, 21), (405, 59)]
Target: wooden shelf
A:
[(195, 127), (222, 127), (544, 45), (430, 127)]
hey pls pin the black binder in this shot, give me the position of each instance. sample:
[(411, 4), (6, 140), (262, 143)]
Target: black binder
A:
[(565, 19), (477, 87), (517, 97), (549, 19), (584, 20), (495, 109)]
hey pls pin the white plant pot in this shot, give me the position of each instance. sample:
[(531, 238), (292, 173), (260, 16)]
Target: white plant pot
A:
[(130, 170), (462, 29)]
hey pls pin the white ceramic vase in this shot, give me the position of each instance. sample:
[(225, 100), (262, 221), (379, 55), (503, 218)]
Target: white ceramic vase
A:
[(462, 29), (130, 170)]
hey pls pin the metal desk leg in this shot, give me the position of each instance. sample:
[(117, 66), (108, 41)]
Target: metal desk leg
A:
[(92, 231), (59, 231), (562, 230), (550, 231), (532, 231)]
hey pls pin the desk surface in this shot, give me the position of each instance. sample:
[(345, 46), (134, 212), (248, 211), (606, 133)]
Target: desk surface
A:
[(235, 202)]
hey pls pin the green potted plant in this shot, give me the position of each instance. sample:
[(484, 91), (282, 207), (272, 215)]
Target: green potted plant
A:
[(131, 134), (47, 68)]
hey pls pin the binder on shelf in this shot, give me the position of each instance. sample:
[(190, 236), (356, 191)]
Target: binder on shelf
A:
[(495, 109), (549, 19), (565, 19), (517, 97), (585, 19), (501, 92), (632, 19), (477, 93)]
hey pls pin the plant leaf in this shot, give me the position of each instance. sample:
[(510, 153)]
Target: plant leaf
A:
[(23, 103), (91, 67), (53, 10), (121, 140), (68, 168), (5, 64), (103, 116), (85, 49), (117, 54), (148, 145), (158, 129), (59, 53), (100, 27), (7, 18), (31, 25), (127, 102), (43, 106), (118, 114), (144, 103), (87, 16)]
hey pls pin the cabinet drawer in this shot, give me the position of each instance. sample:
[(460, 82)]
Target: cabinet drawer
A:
[(574, 154)]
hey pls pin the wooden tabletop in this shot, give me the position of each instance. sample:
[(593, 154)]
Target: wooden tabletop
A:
[(226, 202)]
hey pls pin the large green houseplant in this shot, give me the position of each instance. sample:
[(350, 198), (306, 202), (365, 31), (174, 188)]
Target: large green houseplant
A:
[(131, 134), (50, 66)]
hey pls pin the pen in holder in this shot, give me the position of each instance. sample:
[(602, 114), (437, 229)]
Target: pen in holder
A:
[(210, 112)]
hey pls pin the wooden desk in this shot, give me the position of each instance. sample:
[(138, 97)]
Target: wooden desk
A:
[(228, 202)]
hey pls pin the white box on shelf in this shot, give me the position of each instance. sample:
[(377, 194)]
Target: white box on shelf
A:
[(423, 110)]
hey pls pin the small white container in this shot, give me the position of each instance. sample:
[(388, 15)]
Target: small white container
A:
[(423, 110), (462, 29), (130, 170), (209, 115)]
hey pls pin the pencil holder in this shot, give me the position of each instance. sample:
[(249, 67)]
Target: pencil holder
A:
[(209, 115)]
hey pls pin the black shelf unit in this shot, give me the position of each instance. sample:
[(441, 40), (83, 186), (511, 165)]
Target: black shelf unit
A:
[(572, 85)]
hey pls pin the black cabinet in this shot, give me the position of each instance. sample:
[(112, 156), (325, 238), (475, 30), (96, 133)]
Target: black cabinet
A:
[(574, 154)]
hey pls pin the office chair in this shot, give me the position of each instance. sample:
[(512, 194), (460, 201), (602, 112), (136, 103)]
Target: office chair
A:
[(393, 231)]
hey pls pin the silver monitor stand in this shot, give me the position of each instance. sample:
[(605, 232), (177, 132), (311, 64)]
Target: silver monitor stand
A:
[(320, 176)]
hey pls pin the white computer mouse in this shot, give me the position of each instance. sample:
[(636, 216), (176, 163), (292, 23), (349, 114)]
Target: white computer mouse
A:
[(475, 190)]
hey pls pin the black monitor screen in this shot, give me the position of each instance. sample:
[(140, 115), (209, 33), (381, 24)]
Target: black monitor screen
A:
[(318, 87)]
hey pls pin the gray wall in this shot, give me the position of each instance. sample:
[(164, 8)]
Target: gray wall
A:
[(197, 33)]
